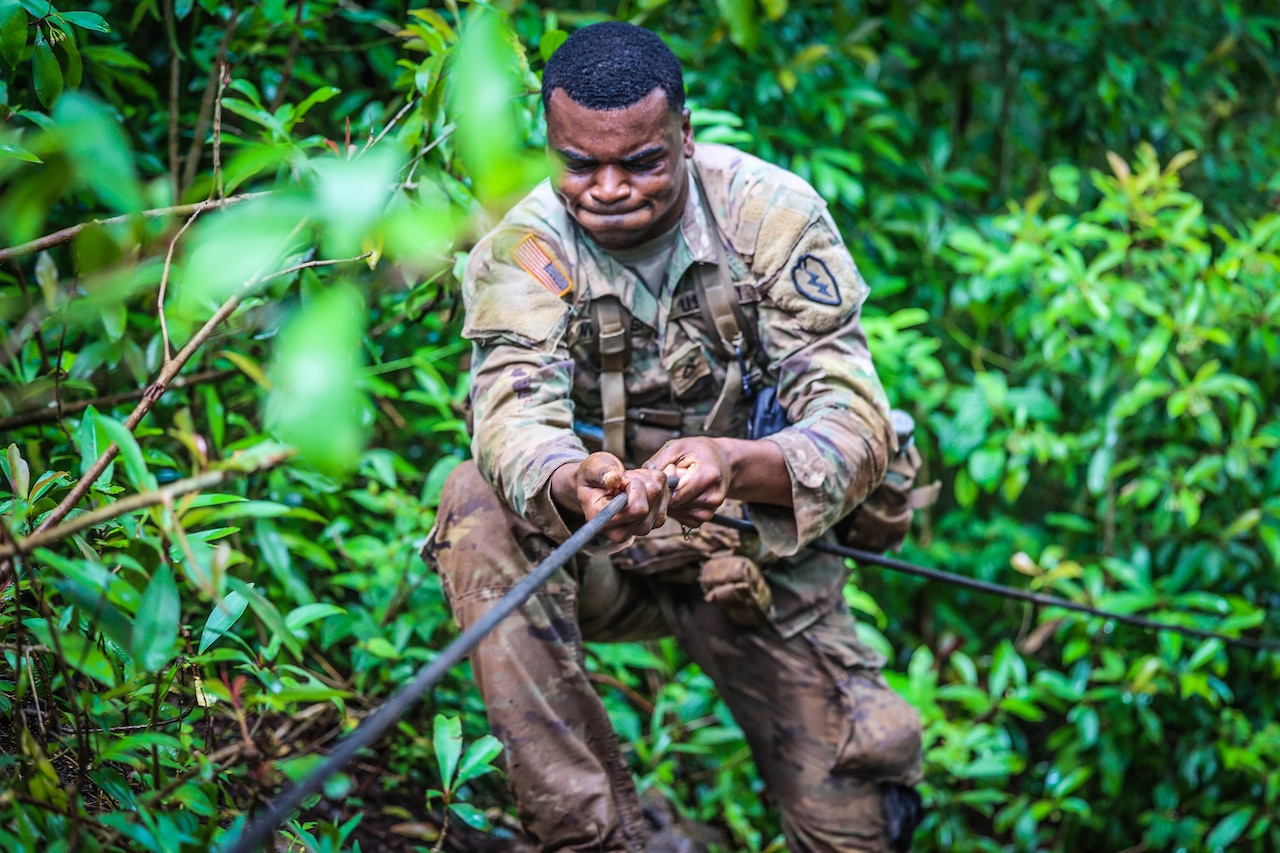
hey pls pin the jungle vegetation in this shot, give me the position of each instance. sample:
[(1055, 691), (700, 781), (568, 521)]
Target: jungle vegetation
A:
[(1067, 214)]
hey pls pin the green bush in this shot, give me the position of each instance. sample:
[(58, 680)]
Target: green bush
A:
[(1087, 341)]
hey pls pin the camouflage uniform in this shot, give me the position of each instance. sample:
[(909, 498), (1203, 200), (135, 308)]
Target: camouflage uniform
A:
[(823, 727)]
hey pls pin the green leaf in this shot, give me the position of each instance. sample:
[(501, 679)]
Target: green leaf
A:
[(319, 96), (447, 738), (48, 74), (381, 647), (72, 65), (39, 8), (478, 759), (1066, 182), (19, 472), (47, 278), (89, 20), (1229, 828), (986, 464), (17, 152), (159, 617), (134, 465), (97, 146), (470, 815), (225, 614), (551, 41), (1099, 472), (13, 31), (1152, 350), (308, 613), (101, 613), (315, 402), (740, 17), (352, 195)]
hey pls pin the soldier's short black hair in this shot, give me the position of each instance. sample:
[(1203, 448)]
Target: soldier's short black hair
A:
[(612, 65)]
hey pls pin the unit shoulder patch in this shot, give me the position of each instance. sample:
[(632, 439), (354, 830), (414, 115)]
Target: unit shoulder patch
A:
[(814, 281), (535, 258)]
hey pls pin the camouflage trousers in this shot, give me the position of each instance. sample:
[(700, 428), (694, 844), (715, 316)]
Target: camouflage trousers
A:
[(823, 727)]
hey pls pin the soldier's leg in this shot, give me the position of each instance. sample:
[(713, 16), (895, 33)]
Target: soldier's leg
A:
[(572, 786), (823, 728)]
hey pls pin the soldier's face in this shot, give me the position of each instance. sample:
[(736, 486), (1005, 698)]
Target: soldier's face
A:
[(620, 173)]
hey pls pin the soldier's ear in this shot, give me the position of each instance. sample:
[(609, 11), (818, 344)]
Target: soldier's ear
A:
[(686, 132)]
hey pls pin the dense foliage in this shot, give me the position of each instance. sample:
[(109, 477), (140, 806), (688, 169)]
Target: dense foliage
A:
[(1067, 216)]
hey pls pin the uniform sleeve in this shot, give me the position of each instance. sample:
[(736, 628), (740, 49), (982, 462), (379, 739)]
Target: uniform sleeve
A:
[(839, 441), (521, 377)]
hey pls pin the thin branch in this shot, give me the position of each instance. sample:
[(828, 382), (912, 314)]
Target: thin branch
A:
[(132, 503), (396, 118), (164, 277), (175, 85), (161, 384), (212, 87), (66, 235), (224, 77), (51, 413)]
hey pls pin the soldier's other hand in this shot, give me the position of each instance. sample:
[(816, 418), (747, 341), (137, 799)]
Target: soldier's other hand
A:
[(705, 472), (601, 477)]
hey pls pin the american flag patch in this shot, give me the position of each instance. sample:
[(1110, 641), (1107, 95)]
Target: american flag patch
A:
[(534, 259)]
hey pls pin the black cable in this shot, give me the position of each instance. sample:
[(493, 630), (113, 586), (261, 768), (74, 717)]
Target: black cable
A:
[(374, 725), (871, 558)]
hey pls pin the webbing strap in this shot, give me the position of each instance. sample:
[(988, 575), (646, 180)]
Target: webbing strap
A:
[(614, 355), (719, 301)]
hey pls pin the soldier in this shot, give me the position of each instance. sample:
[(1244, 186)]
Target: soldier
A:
[(648, 294)]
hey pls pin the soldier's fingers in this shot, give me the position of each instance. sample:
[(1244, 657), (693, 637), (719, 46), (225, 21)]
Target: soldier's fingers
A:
[(604, 470)]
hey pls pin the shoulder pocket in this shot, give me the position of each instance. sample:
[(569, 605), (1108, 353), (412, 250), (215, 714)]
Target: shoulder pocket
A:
[(503, 299)]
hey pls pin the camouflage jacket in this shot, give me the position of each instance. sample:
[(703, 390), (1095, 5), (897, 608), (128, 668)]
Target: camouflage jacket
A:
[(528, 290)]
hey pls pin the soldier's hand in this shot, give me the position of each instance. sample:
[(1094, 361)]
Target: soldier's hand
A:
[(705, 473), (601, 477)]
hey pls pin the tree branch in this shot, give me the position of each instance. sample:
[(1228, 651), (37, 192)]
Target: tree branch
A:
[(66, 235), (175, 85), (53, 412), (161, 383), (211, 88), (132, 503)]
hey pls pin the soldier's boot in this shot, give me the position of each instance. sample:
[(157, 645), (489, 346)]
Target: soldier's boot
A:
[(573, 789)]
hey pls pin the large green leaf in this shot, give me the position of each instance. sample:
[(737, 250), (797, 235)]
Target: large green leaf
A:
[(155, 629), (13, 31), (88, 21), (447, 739), (130, 452), (478, 759), (48, 74), (314, 402), (99, 149), (224, 615)]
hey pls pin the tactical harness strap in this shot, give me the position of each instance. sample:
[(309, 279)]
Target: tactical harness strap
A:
[(615, 353), (717, 299)]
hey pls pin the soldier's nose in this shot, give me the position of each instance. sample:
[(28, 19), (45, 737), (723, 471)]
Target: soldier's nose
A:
[(610, 187)]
